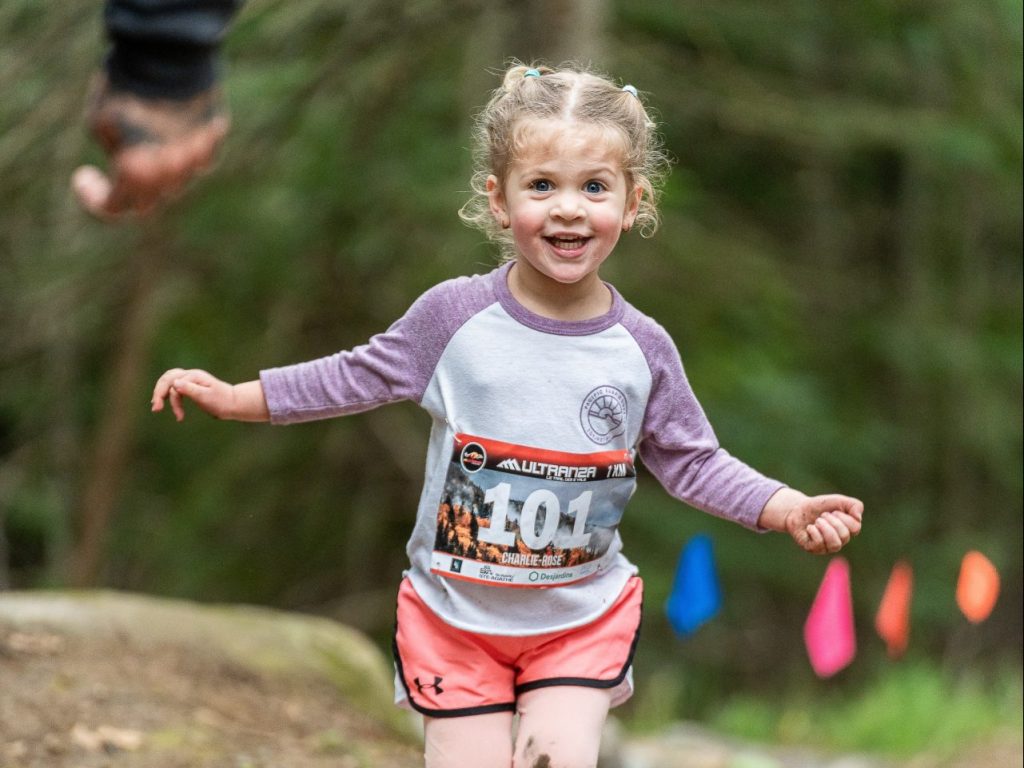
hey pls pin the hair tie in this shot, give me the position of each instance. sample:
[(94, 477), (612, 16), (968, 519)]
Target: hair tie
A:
[(531, 73), (631, 89)]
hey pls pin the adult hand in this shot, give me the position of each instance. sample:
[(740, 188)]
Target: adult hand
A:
[(155, 147)]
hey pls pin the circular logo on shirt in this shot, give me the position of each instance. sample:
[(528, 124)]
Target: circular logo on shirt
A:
[(473, 457), (603, 415)]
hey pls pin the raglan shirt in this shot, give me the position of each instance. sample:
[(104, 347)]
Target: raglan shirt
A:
[(537, 425)]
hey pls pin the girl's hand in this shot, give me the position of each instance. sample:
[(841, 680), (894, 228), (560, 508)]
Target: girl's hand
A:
[(241, 402), (818, 524), (824, 524)]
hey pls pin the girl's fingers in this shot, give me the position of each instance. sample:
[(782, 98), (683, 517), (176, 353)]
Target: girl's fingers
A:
[(176, 406), (852, 524), (831, 521), (205, 390), (163, 387), (177, 382), (191, 389), (815, 542), (837, 529), (196, 376), (832, 536), (826, 524), (835, 502)]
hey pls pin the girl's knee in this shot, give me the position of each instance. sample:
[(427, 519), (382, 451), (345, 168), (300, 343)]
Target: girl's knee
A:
[(555, 754), (560, 727), (481, 741)]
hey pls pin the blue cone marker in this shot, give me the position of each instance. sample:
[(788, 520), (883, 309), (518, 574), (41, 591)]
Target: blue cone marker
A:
[(696, 595)]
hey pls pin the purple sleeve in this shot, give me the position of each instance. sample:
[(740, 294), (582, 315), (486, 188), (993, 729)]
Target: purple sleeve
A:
[(678, 445), (394, 365)]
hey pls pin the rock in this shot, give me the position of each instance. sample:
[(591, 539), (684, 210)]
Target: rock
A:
[(264, 639), (89, 676)]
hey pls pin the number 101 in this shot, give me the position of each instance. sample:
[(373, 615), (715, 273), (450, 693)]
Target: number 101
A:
[(498, 498)]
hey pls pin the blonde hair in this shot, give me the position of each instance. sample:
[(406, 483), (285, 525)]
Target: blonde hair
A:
[(568, 93)]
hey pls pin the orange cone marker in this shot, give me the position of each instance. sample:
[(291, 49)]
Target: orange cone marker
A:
[(892, 622), (978, 587), (828, 632)]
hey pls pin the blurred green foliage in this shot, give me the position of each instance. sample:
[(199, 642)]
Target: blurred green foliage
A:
[(839, 263), (905, 711)]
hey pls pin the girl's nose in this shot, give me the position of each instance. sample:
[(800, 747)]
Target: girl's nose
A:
[(567, 207)]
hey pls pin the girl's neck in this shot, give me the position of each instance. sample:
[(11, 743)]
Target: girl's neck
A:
[(571, 302)]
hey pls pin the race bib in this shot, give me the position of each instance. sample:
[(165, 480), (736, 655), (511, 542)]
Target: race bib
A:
[(512, 515)]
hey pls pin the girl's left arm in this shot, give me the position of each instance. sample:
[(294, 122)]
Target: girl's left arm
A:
[(679, 446)]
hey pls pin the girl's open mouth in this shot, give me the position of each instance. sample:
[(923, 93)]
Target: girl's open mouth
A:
[(568, 243)]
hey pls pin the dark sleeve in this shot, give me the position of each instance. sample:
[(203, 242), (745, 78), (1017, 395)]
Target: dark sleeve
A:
[(166, 48)]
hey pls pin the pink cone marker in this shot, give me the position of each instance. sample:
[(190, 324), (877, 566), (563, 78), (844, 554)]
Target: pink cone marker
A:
[(828, 632)]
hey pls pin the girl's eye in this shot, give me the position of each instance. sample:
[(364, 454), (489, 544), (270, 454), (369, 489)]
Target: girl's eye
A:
[(542, 185), (593, 187)]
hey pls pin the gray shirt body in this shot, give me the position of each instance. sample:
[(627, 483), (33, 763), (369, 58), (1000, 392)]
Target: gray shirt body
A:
[(536, 426)]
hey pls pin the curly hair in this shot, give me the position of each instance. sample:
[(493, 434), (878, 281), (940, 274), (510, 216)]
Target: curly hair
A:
[(570, 93)]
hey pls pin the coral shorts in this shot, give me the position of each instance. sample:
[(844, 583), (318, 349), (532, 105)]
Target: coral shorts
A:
[(443, 671)]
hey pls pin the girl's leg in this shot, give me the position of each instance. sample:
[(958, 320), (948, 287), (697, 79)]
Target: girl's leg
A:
[(476, 741), (560, 727)]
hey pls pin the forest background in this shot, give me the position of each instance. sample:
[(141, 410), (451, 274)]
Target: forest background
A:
[(840, 264)]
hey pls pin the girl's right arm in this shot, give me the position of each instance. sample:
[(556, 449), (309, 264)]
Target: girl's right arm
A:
[(238, 402)]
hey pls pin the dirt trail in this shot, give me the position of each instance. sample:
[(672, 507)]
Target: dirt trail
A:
[(68, 702), (105, 680), (127, 682)]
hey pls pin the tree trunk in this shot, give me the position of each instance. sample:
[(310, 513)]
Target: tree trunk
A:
[(107, 461), (530, 31), (553, 31)]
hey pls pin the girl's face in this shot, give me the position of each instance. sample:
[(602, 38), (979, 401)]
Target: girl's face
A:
[(566, 200)]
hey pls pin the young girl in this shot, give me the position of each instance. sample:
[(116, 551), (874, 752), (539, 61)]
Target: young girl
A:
[(544, 386)]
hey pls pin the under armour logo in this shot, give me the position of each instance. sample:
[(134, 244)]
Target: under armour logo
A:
[(436, 685)]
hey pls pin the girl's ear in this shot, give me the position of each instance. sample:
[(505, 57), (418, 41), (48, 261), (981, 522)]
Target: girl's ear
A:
[(496, 201), (632, 207)]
